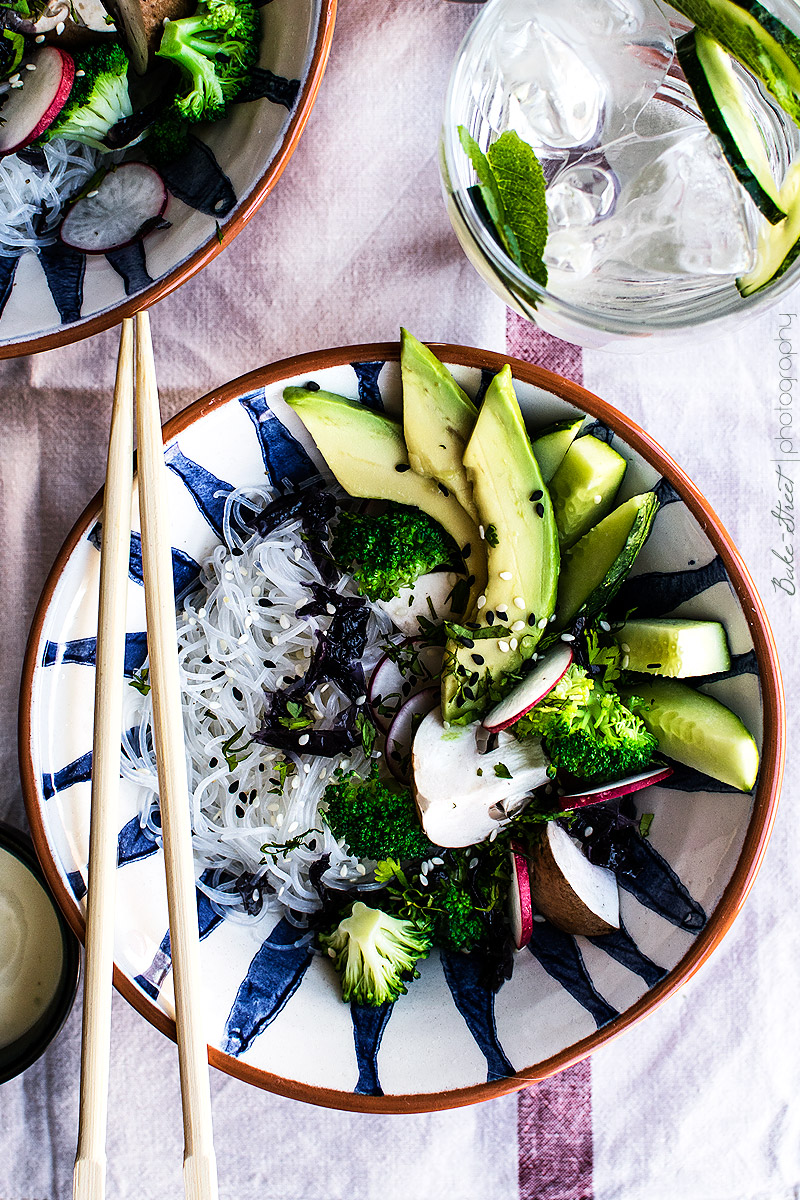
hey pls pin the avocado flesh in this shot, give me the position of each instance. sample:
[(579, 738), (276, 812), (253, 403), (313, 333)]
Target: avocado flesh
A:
[(438, 418), (363, 450), (521, 547)]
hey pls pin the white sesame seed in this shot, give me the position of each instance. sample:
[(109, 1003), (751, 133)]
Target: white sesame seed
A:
[(506, 575), (273, 808), (39, 39), (294, 825), (80, 74), (624, 648), (284, 621), (303, 739), (518, 626), (362, 699), (201, 612), (376, 754), (598, 499), (243, 640), (519, 602), (538, 918), (503, 647), (482, 532), (425, 868), (446, 724), (625, 662), (343, 871), (330, 609), (322, 773), (568, 637), (604, 625), (192, 620), (248, 621), (89, 195), (492, 835), (30, 66), (295, 784), (274, 640), (16, 85), (306, 768), (248, 658), (279, 820), (542, 624), (331, 951), (552, 618), (255, 590), (438, 862), (345, 764), (230, 673), (14, 78), (298, 553), (423, 881), (513, 643), (588, 831), (481, 601), (473, 862)]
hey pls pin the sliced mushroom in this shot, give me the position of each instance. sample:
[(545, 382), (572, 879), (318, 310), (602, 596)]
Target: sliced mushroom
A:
[(574, 894)]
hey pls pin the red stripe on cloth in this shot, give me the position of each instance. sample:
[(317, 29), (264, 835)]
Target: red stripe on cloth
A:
[(554, 1133), (525, 340), (554, 1118)]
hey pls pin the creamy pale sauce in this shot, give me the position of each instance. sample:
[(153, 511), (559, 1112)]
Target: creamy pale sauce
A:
[(31, 949)]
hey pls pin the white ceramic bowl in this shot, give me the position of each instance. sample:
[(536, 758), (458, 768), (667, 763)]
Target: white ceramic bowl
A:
[(58, 296), (276, 1015)]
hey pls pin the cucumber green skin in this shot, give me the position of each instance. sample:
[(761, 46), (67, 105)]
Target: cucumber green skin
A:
[(550, 446), (697, 730), (787, 40), (702, 85), (598, 599), (737, 28), (771, 238)]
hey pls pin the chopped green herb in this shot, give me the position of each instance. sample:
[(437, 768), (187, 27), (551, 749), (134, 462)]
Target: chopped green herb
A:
[(644, 824), (490, 535), (502, 771), (232, 753), (140, 681), (283, 769)]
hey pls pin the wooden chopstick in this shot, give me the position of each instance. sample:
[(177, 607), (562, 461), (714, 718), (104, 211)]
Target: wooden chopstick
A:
[(199, 1167), (90, 1162)]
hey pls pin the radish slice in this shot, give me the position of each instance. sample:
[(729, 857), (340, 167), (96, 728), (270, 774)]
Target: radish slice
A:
[(401, 732), (520, 904), (615, 789), (392, 683), (572, 893), (126, 205), (530, 690), (31, 109)]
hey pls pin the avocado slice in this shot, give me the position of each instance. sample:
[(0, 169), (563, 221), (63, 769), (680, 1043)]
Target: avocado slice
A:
[(522, 553), (366, 452), (438, 418)]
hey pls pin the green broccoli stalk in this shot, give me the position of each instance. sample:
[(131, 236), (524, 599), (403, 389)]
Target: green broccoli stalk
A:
[(215, 50), (98, 99), (587, 730), (390, 551), (374, 820), (375, 953)]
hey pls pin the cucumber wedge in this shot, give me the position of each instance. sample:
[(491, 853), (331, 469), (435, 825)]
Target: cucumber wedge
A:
[(720, 96), (668, 646), (769, 50), (551, 446), (593, 570), (697, 730), (584, 486), (778, 245)]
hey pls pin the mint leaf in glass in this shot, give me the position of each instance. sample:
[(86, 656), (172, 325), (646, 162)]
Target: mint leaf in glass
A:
[(520, 182), (490, 194)]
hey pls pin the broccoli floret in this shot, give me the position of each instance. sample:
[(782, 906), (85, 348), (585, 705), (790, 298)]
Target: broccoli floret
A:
[(391, 550), (168, 138), (457, 925), (588, 731), (215, 49), (375, 821), (375, 953), (98, 99)]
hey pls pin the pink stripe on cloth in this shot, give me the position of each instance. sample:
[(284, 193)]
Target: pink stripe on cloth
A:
[(554, 1118), (525, 340)]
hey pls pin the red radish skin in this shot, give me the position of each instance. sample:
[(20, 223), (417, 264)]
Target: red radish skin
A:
[(615, 790), (398, 739), (520, 901), (529, 691), (31, 109), (388, 679)]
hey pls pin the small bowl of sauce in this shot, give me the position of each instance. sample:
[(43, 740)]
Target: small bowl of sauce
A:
[(39, 958)]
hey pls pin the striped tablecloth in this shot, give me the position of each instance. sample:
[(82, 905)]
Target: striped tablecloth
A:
[(699, 1102)]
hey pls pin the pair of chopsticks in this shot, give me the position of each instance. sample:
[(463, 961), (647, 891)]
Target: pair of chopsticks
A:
[(136, 376)]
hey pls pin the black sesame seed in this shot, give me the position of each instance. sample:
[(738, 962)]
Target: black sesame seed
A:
[(466, 550), (479, 659), (233, 787), (406, 688), (311, 386), (443, 489), (261, 767), (265, 603), (218, 675), (239, 808), (237, 550), (237, 694), (653, 666), (213, 762), (531, 618), (502, 615), (540, 510), (474, 677), (206, 658), (470, 580), (402, 467), (243, 798), (468, 692), (537, 495), (490, 617), (269, 663), (288, 679), (468, 643), (253, 794)]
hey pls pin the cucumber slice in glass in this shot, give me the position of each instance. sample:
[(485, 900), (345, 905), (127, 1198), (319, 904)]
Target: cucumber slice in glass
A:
[(710, 74), (778, 245)]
